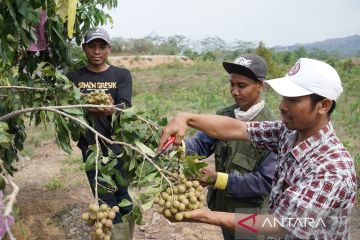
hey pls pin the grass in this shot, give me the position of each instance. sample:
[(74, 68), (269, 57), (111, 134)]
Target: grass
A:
[(170, 88), (35, 136), (54, 184)]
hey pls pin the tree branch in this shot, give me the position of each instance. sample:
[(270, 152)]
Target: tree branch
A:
[(56, 110), (26, 110), (23, 88)]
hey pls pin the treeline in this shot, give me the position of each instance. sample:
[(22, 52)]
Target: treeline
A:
[(212, 49), (216, 49)]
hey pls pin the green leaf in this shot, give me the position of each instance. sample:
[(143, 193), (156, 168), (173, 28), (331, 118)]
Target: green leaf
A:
[(4, 140), (107, 179), (74, 111), (151, 177), (138, 215), (147, 205), (58, 34), (145, 149), (119, 179), (90, 161), (61, 9), (4, 126), (38, 70), (124, 203), (132, 163), (76, 93)]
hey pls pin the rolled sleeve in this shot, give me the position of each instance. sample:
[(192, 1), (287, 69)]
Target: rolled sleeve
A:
[(221, 180), (266, 134), (199, 144)]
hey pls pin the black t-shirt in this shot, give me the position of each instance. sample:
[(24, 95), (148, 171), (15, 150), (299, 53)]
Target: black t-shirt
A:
[(115, 81)]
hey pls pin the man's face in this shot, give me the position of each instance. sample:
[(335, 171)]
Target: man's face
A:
[(298, 113), (244, 90), (97, 51)]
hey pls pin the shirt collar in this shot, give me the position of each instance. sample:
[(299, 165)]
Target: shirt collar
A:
[(303, 148)]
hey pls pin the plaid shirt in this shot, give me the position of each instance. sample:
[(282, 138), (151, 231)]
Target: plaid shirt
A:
[(314, 185)]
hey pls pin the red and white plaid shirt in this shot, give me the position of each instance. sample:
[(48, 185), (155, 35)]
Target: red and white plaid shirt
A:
[(314, 185)]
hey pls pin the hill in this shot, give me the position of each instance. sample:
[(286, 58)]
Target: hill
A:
[(344, 47)]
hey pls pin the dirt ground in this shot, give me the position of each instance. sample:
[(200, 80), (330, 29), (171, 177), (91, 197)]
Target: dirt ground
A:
[(147, 61), (55, 214)]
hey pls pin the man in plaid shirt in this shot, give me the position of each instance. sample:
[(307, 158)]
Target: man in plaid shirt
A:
[(314, 185)]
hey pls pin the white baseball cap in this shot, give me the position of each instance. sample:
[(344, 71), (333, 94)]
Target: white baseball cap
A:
[(306, 77)]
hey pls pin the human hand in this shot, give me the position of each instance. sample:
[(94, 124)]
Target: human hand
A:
[(103, 111), (199, 215), (177, 127), (209, 176)]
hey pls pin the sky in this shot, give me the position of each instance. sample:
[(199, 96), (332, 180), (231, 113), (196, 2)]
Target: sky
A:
[(275, 22)]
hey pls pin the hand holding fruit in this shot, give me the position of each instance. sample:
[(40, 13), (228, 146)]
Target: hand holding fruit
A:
[(99, 97), (209, 176), (176, 201)]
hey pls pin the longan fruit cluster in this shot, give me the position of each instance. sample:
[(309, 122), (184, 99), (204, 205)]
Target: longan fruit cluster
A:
[(186, 196), (102, 218), (98, 97)]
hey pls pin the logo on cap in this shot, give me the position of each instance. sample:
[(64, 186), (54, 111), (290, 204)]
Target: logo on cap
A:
[(243, 61), (294, 69)]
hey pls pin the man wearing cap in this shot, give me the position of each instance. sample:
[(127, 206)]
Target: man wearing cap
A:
[(314, 186), (243, 174), (117, 82)]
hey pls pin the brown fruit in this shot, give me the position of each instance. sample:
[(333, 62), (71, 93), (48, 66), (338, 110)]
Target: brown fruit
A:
[(181, 189), (187, 215), (108, 223), (100, 215), (182, 207), (161, 202), (164, 195), (188, 184), (99, 232), (193, 199), (161, 210), (176, 204), (115, 209), (111, 215), (168, 204), (202, 198), (196, 184), (94, 208), (85, 216), (103, 221), (103, 207), (173, 210), (179, 216), (93, 216), (167, 213)]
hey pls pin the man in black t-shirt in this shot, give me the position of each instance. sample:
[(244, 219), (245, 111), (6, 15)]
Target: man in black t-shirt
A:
[(116, 82)]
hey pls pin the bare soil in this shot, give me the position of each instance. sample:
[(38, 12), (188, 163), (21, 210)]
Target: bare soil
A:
[(55, 214), (146, 61)]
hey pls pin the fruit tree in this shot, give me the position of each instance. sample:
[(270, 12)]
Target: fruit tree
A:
[(38, 38)]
